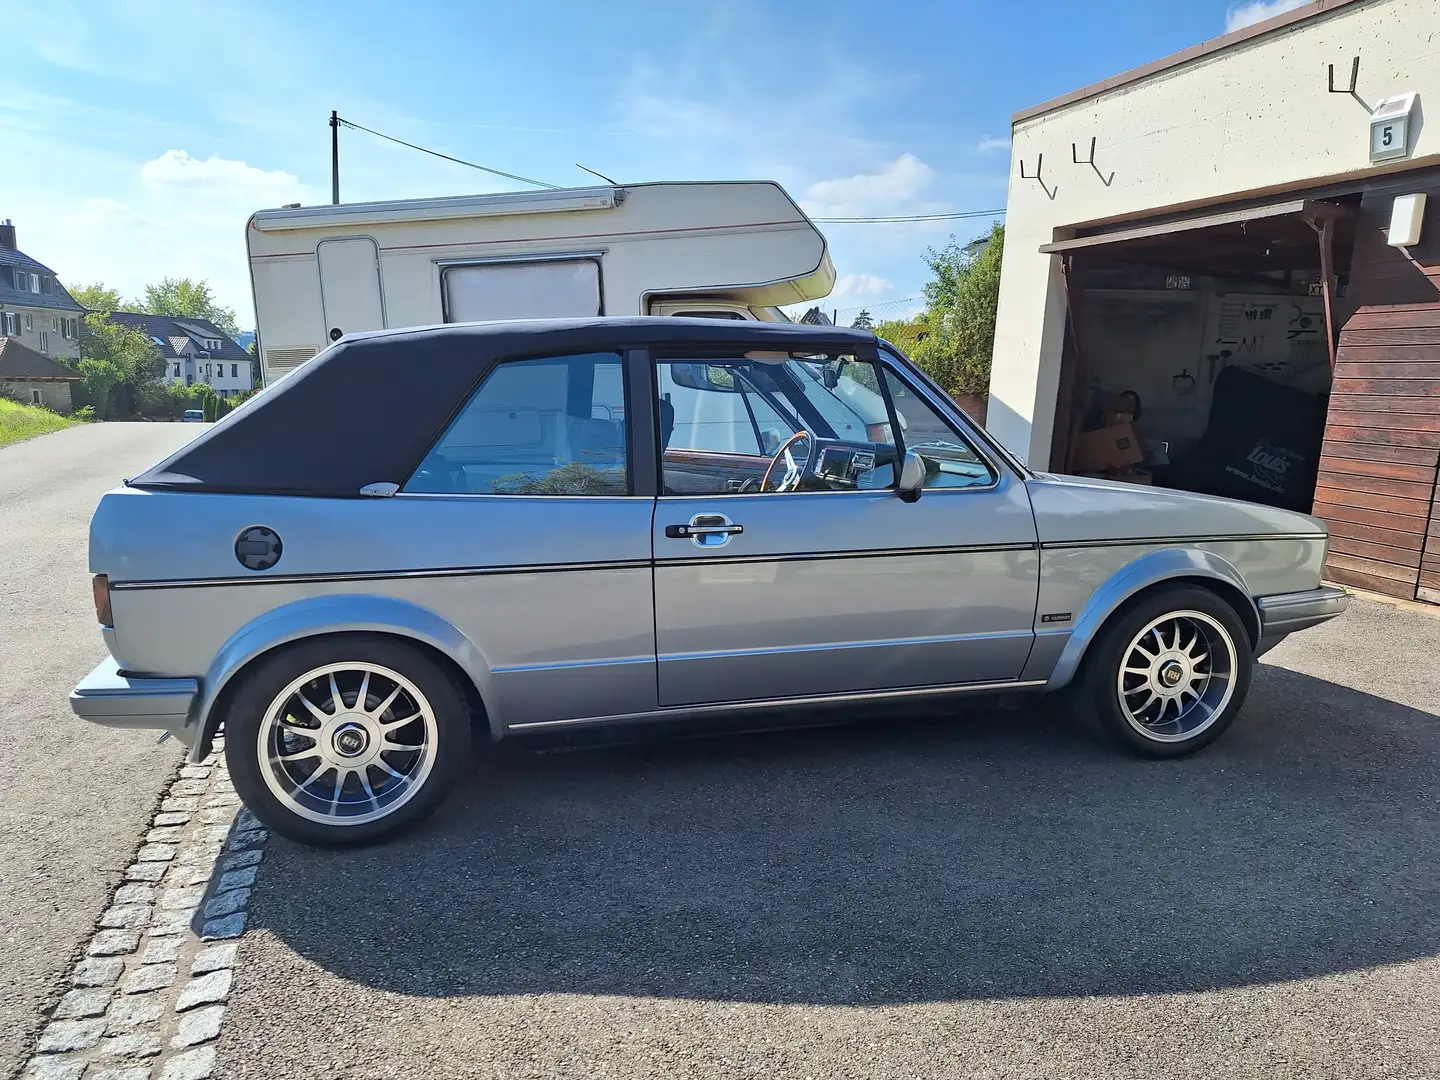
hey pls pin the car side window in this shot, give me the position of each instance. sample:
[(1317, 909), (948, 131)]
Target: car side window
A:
[(950, 460), (548, 426), (772, 424)]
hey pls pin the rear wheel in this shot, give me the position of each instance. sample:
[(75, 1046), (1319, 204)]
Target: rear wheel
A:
[(1169, 674), (346, 740)]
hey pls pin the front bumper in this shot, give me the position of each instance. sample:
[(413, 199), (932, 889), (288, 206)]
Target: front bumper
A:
[(1285, 613), (109, 697)]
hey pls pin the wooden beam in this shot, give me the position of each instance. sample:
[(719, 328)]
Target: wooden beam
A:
[(1326, 229)]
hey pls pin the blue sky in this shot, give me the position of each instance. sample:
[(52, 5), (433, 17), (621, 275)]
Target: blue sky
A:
[(138, 136)]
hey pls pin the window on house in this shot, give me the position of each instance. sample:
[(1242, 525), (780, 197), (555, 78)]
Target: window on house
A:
[(12, 323), (29, 322), (55, 323), (35, 398), (35, 283), (234, 371), (44, 340), (177, 371), (47, 285)]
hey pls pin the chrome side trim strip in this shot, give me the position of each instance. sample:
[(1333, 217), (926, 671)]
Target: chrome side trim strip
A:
[(778, 703), (875, 553), (385, 575), (563, 665), (724, 654), (554, 568), (1140, 541)]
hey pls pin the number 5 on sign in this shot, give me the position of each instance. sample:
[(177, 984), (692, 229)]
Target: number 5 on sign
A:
[(1390, 128)]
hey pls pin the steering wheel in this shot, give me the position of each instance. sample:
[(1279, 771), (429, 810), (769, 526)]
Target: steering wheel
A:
[(793, 472)]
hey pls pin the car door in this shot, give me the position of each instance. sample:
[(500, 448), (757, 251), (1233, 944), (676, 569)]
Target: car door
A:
[(837, 586)]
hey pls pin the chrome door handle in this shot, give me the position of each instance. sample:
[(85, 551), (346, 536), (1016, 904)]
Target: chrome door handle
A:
[(706, 530)]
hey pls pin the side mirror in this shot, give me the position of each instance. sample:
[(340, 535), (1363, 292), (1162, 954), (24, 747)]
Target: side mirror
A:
[(912, 476)]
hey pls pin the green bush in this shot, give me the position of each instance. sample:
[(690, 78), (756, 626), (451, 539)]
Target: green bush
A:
[(85, 414)]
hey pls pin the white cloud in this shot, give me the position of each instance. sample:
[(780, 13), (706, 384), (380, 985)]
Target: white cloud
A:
[(989, 145), (856, 288), (172, 216), (216, 174), (1248, 14), (893, 189)]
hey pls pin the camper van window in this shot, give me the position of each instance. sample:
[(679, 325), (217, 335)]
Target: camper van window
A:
[(562, 289), (551, 426)]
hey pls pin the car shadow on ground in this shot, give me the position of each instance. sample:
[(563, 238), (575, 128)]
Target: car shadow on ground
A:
[(1001, 854)]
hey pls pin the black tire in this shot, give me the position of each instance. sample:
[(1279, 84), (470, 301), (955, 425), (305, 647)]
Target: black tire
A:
[(260, 687), (1101, 681)]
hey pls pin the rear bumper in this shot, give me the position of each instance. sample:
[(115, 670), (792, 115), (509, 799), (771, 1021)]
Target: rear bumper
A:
[(1285, 613), (108, 697)]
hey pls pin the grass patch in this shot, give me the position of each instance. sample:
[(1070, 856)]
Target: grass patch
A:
[(22, 421)]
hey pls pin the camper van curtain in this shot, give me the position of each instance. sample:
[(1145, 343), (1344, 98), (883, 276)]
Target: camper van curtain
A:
[(568, 289)]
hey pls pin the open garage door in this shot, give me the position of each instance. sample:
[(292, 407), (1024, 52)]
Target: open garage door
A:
[(1199, 351)]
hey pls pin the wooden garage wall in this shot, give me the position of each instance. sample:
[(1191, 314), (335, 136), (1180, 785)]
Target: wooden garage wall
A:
[(1378, 467)]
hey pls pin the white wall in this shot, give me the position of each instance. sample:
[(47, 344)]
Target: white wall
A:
[(1252, 118)]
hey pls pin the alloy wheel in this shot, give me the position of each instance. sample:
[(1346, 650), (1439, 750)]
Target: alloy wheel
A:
[(1177, 676), (347, 743)]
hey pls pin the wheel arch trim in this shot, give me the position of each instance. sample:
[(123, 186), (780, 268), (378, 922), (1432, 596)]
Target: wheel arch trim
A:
[(1153, 568), (342, 614)]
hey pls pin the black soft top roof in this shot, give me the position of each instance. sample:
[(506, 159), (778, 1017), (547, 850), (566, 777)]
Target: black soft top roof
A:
[(366, 409)]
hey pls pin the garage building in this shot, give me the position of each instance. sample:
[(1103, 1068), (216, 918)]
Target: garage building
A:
[(1222, 274)]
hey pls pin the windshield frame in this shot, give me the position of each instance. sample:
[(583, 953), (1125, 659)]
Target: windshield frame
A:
[(985, 445)]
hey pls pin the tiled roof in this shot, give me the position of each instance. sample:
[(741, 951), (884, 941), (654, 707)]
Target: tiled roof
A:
[(19, 363), (165, 327), (58, 299)]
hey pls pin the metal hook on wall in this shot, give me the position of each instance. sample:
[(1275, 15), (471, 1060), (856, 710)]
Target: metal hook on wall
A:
[(1352, 89), (1075, 154), (1039, 165)]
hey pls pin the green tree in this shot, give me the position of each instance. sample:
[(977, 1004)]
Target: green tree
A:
[(904, 334), (101, 378), (962, 296), (131, 354), (863, 321), (184, 297), (98, 297)]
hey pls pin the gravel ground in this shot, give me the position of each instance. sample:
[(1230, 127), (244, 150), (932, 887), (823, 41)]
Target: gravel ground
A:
[(75, 797), (997, 896)]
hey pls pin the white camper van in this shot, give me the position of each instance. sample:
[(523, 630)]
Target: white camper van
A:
[(726, 250)]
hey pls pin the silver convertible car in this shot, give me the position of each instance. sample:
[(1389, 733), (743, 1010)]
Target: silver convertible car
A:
[(532, 527)]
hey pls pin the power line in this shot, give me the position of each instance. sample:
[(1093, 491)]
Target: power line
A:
[(447, 157), (877, 220)]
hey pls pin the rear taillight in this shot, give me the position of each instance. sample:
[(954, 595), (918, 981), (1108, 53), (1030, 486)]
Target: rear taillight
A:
[(100, 586)]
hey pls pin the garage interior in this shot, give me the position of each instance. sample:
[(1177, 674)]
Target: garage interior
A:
[(1281, 353)]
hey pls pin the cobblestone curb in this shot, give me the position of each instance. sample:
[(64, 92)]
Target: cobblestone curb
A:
[(147, 1000)]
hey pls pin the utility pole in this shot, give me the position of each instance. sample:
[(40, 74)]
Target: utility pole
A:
[(334, 157)]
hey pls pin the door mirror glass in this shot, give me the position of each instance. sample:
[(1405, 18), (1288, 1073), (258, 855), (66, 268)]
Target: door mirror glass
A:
[(912, 476)]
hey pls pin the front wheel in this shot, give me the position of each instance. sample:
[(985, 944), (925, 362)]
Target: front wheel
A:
[(346, 740), (1169, 674)]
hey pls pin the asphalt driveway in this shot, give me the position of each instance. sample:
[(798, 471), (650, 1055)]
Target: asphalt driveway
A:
[(74, 797), (991, 896)]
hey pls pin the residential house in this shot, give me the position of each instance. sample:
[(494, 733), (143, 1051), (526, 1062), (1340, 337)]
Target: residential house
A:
[(195, 351), (33, 379), (35, 309)]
